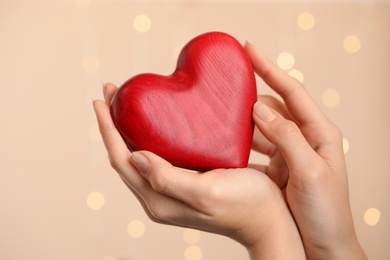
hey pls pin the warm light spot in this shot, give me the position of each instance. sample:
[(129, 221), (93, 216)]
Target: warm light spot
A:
[(136, 228), (285, 60), (297, 74), (306, 21), (331, 98), (345, 145), (372, 216), (94, 133), (193, 253), (95, 200), (142, 23), (91, 63), (352, 44), (191, 236)]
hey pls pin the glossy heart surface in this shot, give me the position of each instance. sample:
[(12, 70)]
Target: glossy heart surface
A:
[(200, 116)]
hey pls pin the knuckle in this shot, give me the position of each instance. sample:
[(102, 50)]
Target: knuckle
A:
[(331, 135), (211, 201), (318, 175), (158, 211), (158, 181), (113, 163), (214, 194), (319, 172), (313, 180), (338, 133), (287, 128)]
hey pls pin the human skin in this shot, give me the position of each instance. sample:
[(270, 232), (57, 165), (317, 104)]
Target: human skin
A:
[(243, 204), (306, 162), (304, 187)]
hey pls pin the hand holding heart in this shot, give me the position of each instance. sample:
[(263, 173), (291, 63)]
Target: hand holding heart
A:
[(231, 202), (306, 174)]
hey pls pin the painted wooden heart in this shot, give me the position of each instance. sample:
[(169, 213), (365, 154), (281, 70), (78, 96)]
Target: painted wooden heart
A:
[(199, 117)]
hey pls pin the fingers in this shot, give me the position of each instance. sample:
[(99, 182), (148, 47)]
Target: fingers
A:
[(118, 153), (302, 107), (299, 103), (318, 130), (159, 207), (187, 186), (109, 91), (260, 143), (116, 147), (286, 135), (276, 104), (258, 167)]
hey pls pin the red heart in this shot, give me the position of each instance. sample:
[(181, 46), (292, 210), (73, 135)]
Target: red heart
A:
[(200, 117)]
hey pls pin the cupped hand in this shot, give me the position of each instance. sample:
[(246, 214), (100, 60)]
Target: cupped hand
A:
[(306, 162), (243, 204)]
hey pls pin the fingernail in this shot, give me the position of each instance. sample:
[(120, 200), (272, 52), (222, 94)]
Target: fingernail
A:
[(264, 112), (140, 162)]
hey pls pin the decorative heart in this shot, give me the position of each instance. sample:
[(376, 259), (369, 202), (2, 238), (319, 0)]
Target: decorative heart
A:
[(200, 117)]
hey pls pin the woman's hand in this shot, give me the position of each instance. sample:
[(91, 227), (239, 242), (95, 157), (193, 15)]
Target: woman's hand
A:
[(306, 162), (243, 204), (306, 171)]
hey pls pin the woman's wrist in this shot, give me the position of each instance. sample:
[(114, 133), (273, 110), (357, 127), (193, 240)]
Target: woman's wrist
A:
[(279, 238), (281, 242), (348, 248)]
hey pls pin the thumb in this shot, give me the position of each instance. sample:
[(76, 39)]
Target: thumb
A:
[(286, 135), (180, 184)]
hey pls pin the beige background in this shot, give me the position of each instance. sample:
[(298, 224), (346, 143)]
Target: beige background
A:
[(54, 57)]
